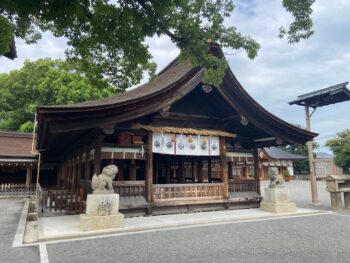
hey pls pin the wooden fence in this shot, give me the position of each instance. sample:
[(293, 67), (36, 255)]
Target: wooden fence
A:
[(13, 189), (180, 192), (61, 201), (129, 188), (243, 185)]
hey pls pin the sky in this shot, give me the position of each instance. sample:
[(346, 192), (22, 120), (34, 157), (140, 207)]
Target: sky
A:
[(279, 73)]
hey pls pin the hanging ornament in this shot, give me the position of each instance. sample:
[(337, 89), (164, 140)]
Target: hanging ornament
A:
[(190, 139), (173, 138)]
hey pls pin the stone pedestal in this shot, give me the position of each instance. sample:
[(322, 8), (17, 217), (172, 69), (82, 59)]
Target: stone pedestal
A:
[(102, 212), (277, 201)]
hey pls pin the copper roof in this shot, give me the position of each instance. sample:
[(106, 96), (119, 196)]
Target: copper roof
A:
[(16, 145)]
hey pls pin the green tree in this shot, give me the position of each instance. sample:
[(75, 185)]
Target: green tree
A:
[(108, 37), (43, 82), (340, 146)]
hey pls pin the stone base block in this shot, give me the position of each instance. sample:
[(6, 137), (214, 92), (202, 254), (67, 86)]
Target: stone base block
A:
[(277, 195), (278, 207), (88, 223)]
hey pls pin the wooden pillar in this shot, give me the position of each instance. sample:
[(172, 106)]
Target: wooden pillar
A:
[(149, 169), (200, 170), (29, 175), (256, 169), (223, 166), (120, 174), (69, 174), (230, 170), (181, 171), (167, 170), (314, 193), (80, 168), (132, 170), (74, 172), (97, 160), (87, 164), (209, 170), (194, 170)]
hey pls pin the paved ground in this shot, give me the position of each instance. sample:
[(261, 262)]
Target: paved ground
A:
[(317, 238), (10, 213)]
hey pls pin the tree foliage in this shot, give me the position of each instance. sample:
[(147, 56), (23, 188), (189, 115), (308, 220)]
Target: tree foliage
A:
[(43, 82), (108, 37), (300, 166), (340, 146)]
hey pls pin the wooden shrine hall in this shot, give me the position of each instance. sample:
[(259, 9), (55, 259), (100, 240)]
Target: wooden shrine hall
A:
[(180, 144)]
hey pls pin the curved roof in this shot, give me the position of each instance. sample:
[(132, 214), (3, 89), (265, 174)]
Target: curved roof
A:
[(172, 84)]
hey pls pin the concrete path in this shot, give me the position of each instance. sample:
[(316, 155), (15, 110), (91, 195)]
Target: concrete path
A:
[(10, 213), (68, 227)]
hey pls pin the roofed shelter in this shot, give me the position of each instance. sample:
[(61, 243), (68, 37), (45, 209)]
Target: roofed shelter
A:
[(323, 97), (177, 141)]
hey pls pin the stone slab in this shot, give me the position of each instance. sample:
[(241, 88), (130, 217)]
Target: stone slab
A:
[(278, 207), (89, 223), (102, 204), (277, 195)]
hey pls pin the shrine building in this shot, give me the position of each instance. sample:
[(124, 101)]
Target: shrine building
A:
[(180, 144)]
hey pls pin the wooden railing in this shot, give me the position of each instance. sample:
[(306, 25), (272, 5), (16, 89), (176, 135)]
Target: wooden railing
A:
[(13, 189), (129, 188), (61, 201), (123, 188), (243, 185), (178, 192)]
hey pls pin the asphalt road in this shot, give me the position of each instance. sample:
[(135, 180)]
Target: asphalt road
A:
[(317, 238)]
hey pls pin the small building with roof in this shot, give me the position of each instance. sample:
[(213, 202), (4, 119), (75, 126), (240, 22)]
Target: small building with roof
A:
[(17, 161), (276, 157)]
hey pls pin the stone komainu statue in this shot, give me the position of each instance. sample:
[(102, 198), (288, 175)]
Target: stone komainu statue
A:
[(103, 183), (276, 180)]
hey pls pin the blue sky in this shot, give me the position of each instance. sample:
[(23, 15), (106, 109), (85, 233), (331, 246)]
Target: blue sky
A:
[(281, 71)]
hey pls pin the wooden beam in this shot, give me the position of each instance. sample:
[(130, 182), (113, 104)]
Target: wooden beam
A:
[(223, 166), (149, 169)]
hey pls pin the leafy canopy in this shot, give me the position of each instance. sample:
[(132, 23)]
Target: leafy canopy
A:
[(43, 82), (340, 146), (108, 37), (300, 166)]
